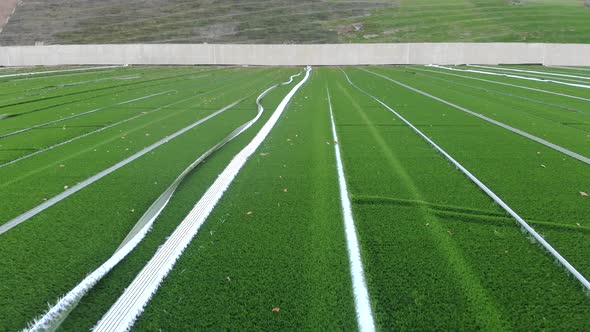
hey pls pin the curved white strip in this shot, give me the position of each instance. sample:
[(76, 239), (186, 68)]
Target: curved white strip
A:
[(122, 315), (488, 191), (57, 313), (61, 71), (537, 139), (364, 313)]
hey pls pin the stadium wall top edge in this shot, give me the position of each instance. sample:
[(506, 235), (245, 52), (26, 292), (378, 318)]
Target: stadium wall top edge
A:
[(299, 54)]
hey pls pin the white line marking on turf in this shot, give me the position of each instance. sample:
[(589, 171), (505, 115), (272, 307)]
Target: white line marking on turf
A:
[(514, 76), (122, 315), (95, 131), (81, 185), (570, 68), (501, 83), (58, 313), (488, 191), (20, 131), (556, 147), (530, 71), (60, 71), (362, 302)]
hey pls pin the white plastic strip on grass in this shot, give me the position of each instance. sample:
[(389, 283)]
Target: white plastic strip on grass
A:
[(531, 71), (57, 313), (488, 191), (515, 76), (20, 131), (61, 71), (122, 315), (50, 202), (364, 313), (500, 83), (556, 147), (512, 95)]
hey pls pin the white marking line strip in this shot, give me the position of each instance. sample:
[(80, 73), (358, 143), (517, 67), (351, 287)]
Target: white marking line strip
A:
[(122, 315), (514, 76), (81, 185), (490, 120), (500, 83), (489, 90), (59, 312), (530, 71), (364, 313), (95, 131), (488, 191), (51, 88), (20, 131), (60, 71), (570, 68)]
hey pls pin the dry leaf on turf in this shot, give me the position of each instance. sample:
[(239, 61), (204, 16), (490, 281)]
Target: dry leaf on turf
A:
[(582, 193), (276, 309)]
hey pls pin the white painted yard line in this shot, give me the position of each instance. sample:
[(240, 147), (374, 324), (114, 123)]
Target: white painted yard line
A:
[(50, 202), (122, 315), (530, 71), (556, 147), (488, 191), (500, 83), (56, 314), (20, 131), (61, 71), (513, 76), (364, 312)]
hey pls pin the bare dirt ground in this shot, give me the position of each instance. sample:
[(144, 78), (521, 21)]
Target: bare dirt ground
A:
[(7, 7)]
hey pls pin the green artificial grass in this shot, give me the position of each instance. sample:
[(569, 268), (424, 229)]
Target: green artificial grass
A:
[(438, 254), (430, 270), (289, 253), (41, 250)]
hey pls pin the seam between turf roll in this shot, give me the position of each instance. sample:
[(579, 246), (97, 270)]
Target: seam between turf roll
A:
[(556, 147), (364, 313), (124, 312), (59, 312), (585, 283), (81, 185)]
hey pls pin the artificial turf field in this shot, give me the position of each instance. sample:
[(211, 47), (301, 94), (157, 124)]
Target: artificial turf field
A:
[(437, 252)]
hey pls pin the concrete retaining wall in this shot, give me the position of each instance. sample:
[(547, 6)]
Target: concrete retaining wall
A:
[(331, 54)]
